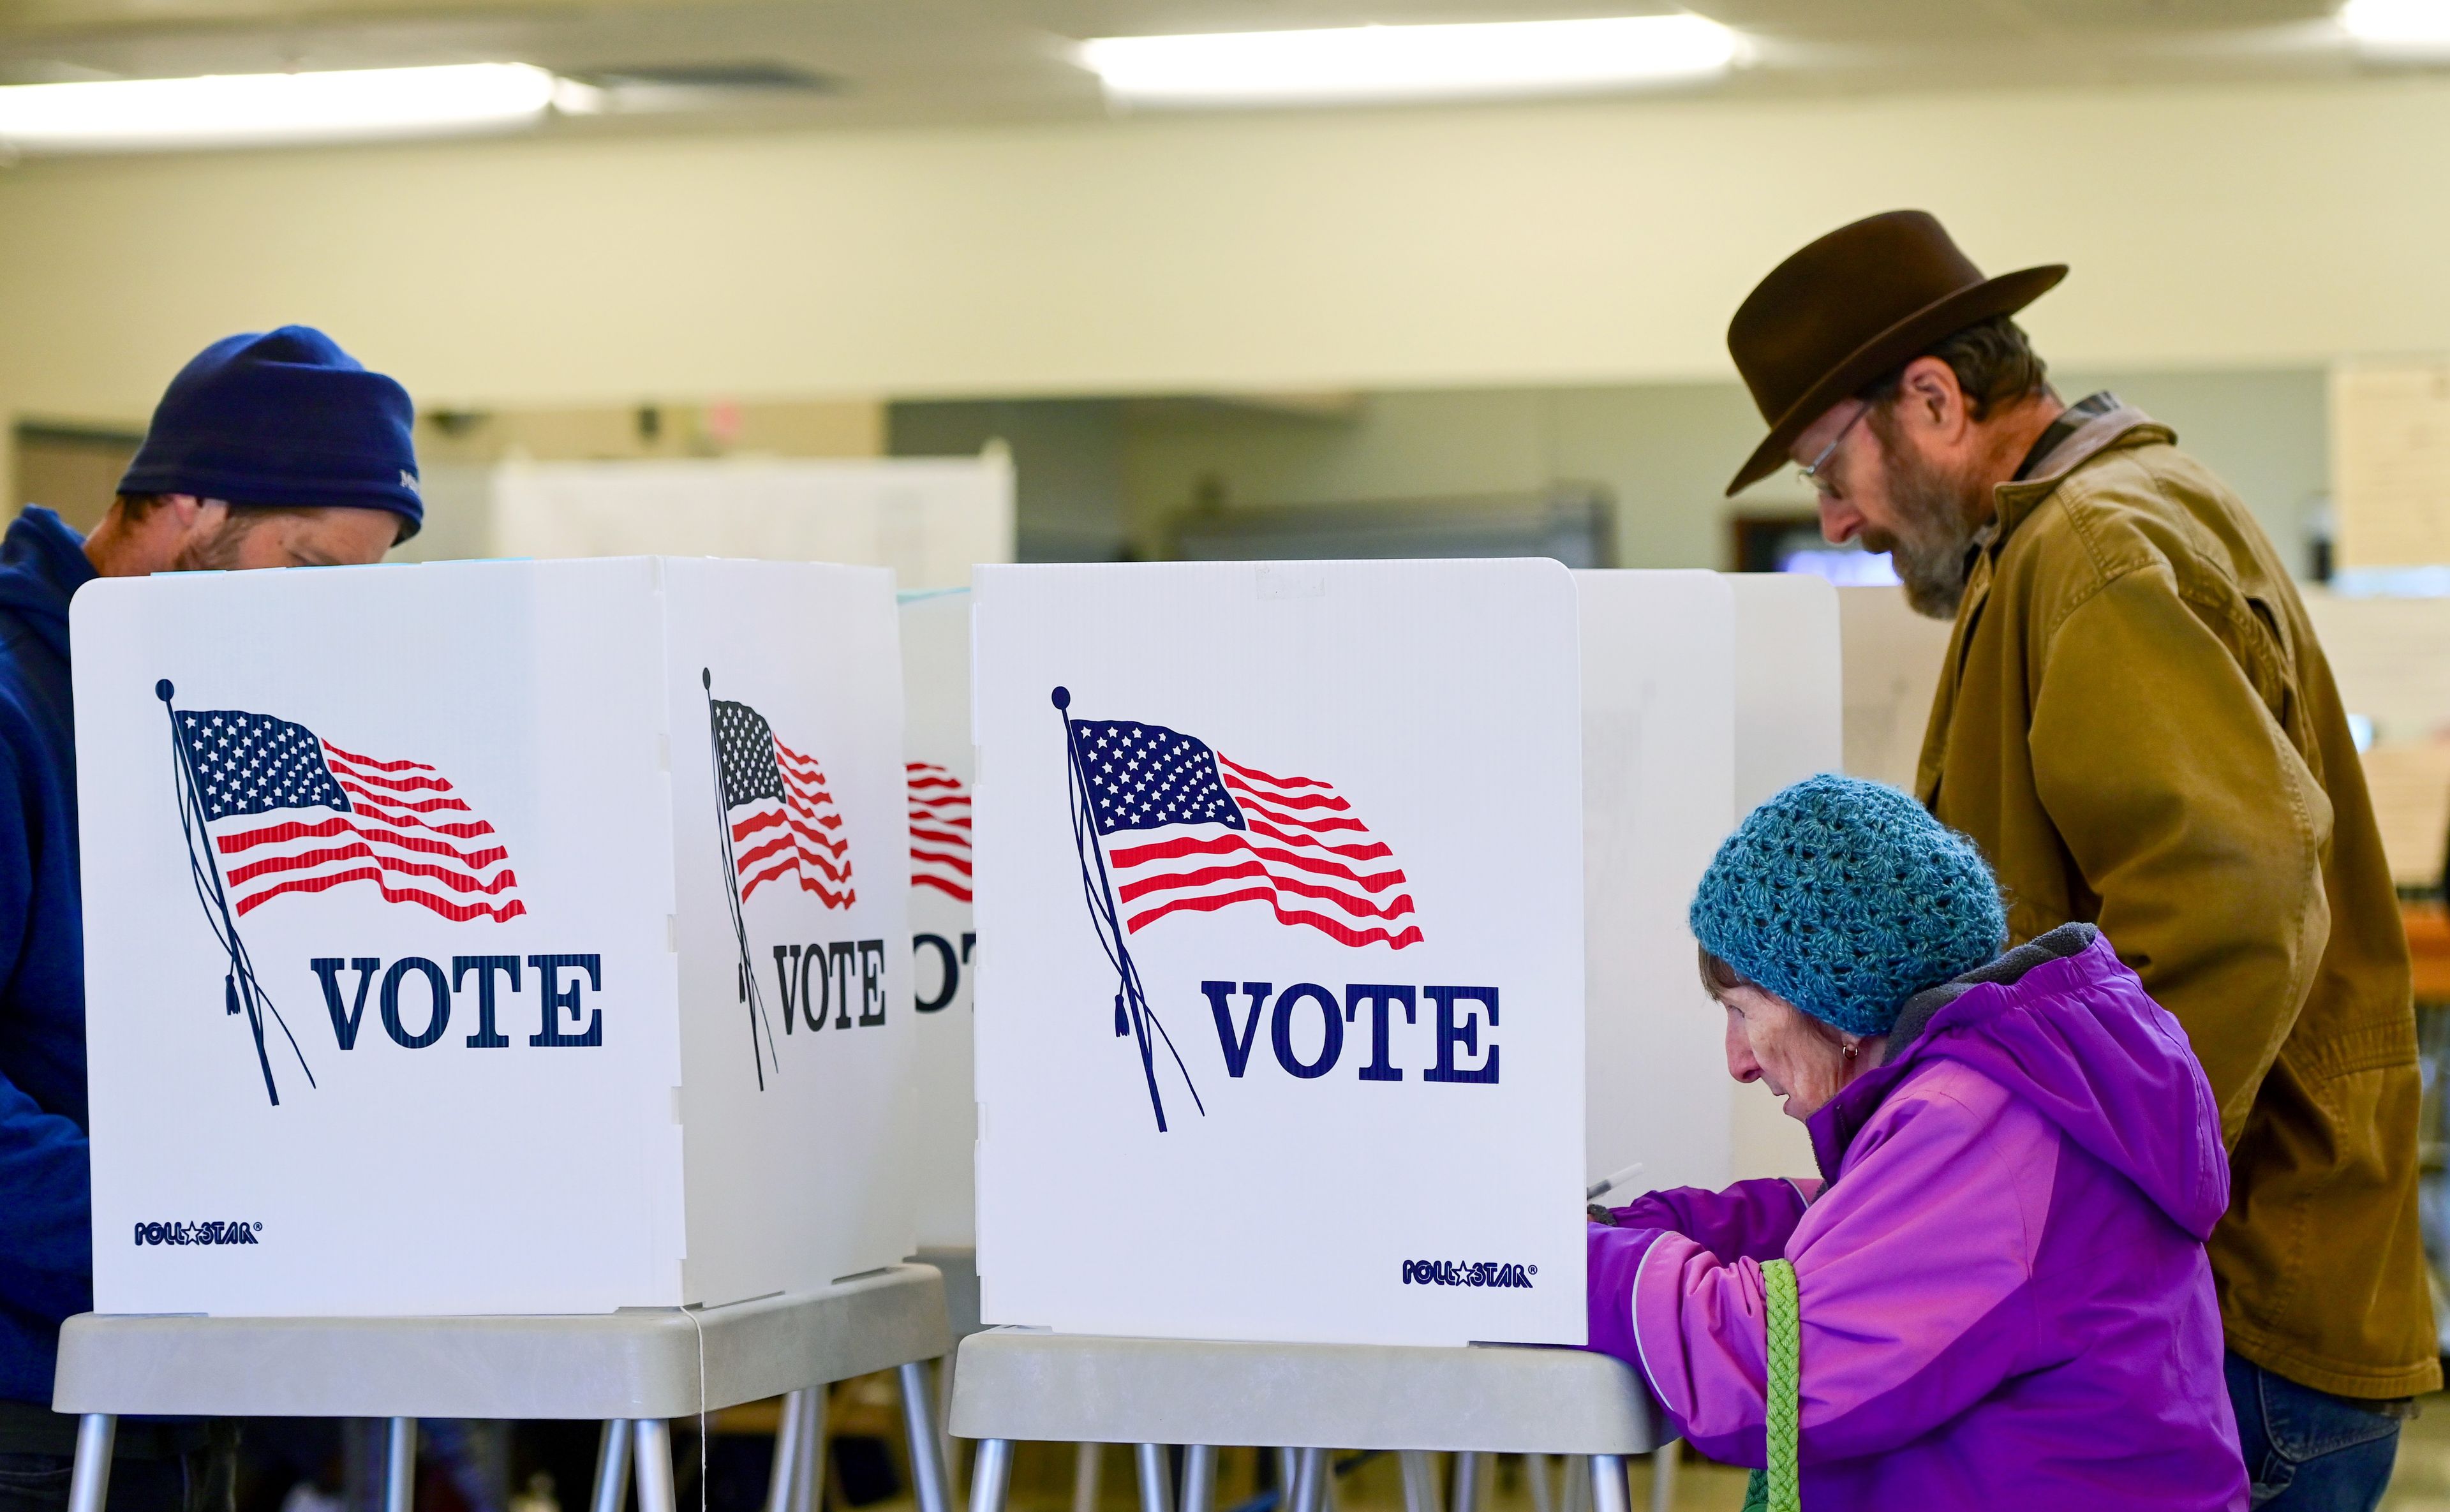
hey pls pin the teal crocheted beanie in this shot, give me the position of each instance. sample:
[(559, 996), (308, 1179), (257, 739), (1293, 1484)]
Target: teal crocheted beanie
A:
[(1845, 897)]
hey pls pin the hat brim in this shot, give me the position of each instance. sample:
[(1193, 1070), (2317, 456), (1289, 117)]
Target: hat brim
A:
[(1893, 348)]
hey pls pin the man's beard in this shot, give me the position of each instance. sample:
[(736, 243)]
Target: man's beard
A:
[(1932, 551)]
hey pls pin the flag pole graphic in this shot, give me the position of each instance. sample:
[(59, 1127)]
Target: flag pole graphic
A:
[(748, 993), (240, 987), (1133, 1014)]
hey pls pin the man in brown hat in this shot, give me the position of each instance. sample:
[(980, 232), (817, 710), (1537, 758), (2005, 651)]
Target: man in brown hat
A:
[(2136, 725)]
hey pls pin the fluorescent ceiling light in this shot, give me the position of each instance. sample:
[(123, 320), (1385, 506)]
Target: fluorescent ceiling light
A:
[(2405, 28), (253, 109), (1357, 64)]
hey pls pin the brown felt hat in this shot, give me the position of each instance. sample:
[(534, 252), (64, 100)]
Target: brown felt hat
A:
[(1861, 301)]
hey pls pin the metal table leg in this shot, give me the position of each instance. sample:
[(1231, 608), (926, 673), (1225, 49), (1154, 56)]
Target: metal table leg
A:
[(1088, 1465), (1199, 1478), (1467, 1480), (1663, 1477), (399, 1466), (947, 1445), (1420, 1480), (1157, 1477), (808, 1467), (1311, 1470), (654, 1440), (989, 1474), (1609, 1492), (780, 1485), (919, 1426), (89, 1482), (612, 1468)]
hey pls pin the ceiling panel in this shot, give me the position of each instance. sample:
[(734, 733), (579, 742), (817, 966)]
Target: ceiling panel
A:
[(895, 62)]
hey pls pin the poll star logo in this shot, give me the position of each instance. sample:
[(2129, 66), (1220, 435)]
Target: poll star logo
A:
[(1221, 834), (777, 820), (398, 826)]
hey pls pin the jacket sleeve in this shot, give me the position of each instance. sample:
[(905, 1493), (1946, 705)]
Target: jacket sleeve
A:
[(2205, 843), (1912, 1276), (45, 1195), (1752, 1218)]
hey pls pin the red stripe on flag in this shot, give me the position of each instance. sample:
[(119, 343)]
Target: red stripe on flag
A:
[(356, 760), (1290, 862), (456, 913)]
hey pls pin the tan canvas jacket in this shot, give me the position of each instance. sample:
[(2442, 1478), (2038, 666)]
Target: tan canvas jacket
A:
[(2136, 725)]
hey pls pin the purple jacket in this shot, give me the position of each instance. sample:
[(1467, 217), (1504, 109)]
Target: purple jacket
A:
[(2005, 1298)]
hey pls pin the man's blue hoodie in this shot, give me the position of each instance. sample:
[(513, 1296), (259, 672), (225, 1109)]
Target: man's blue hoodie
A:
[(46, 1196)]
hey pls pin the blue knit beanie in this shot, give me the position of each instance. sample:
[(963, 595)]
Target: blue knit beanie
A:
[(282, 418), (1845, 897)]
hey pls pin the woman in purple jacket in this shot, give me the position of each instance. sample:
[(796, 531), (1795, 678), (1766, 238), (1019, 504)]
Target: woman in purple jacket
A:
[(2003, 1292)]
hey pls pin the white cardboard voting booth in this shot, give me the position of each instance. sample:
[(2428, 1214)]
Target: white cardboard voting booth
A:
[(1658, 778), (936, 693), (492, 936), (1789, 725), (1280, 865)]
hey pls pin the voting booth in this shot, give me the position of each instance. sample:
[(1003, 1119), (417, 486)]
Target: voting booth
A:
[(944, 937), (1658, 780), (1281, 868), (492, 938)]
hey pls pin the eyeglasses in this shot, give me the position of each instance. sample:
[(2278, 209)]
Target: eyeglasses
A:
[(1810, 470)]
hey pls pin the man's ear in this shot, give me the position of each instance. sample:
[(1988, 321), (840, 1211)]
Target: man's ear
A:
[(184, 510), (1929, 394)]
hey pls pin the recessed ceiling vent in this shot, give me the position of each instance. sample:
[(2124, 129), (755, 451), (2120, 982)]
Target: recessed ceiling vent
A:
[(695, 86)]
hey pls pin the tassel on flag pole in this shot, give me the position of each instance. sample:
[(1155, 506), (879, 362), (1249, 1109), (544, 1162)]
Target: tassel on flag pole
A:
[(748, 993), (1132, 1015), (242, 992)]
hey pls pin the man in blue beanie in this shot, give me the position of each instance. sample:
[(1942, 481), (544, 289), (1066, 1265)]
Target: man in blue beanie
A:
[(271, 450)]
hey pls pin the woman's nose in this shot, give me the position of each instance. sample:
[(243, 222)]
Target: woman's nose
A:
[(1741, 1063)]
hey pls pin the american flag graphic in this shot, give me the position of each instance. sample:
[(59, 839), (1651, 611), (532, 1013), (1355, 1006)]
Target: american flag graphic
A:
[(940, 830), (1234, 834), (782, 822), (397, 824)]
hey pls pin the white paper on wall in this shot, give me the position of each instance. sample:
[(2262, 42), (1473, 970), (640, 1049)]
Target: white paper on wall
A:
[(414, 949), (1658, 778), (1789, 725), (936, 688), (927, 519), (1280, 1029)]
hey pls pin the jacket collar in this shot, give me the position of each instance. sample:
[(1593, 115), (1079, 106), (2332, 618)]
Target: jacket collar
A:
[(1833, 1127), (2121, 426)]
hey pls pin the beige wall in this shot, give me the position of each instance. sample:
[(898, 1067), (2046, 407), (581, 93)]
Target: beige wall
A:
[(1563, 245), (1663, 451)]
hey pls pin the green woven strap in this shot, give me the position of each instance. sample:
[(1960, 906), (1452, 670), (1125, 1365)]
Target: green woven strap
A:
[(1780, 1490)]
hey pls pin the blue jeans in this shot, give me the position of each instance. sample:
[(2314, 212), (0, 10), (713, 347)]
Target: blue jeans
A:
[(2307, 1450)]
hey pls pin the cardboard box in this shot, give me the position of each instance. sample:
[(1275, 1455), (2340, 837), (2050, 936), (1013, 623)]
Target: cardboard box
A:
[(945, 955), (1280, 1035), (492, 936)]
